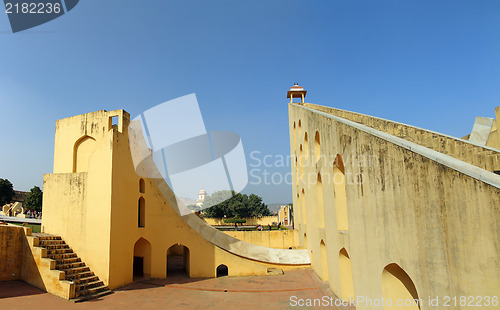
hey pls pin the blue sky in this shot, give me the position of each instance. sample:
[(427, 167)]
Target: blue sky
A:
[(433, 64)]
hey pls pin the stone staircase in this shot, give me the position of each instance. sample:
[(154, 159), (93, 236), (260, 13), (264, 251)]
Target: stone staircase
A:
[(87, 284)]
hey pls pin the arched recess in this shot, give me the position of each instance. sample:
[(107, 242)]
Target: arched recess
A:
[(397, 285), (319, 200), (340, 198), (142, 186), (294, 138), (303, 205), (324, 261), (317, 147), (300, 128), (296, 171), (222, 270), (142, 259), (178, 260), (141, 212), (306, 147), (301, 162), (82, 150), (346, 283)]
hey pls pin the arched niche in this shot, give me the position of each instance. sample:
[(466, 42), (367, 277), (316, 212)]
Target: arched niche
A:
[(339, 192), (82, 151), (346, 282), (397, 285)]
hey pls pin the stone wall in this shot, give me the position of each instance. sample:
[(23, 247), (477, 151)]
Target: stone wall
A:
[(390, 215), (279, 239), (265, 220), (10, 252), (474, 154)]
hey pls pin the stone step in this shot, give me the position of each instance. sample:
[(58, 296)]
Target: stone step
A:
[(62, 256), (70, 265), (62, 261), (91, 278), (88, 285), (93, 296), (91, 291), (59, 251), (71, 271), (56, 246), (50, 242), (80, 275), (43, 238)]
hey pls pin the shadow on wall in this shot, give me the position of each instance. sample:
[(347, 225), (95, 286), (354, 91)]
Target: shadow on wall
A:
[(397, 285)]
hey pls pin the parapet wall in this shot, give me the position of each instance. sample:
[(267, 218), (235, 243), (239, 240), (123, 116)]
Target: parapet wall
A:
[(475, 154)]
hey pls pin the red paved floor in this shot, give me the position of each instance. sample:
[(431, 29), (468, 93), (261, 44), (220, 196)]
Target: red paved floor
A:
[(263, 292)]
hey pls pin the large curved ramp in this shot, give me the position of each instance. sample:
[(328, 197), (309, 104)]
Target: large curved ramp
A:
[(146, 167)]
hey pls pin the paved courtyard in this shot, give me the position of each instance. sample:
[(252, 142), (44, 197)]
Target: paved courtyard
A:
[(259, 292)]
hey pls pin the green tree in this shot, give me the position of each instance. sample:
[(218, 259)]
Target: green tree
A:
[(6, 191), (215, 205), (235, 205), (34, 199)]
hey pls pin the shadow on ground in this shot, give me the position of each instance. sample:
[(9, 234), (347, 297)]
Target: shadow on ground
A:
[(10, 289)]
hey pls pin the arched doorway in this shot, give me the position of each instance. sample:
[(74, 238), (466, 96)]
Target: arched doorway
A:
[(142, 259), (222, 270), (178, 260), (397, 285)]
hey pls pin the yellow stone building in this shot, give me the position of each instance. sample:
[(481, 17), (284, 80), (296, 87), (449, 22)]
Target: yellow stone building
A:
[(389, 211), (123, 225), (285, 215)]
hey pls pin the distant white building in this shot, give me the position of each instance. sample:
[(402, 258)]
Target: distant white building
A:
[(201, 197)]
